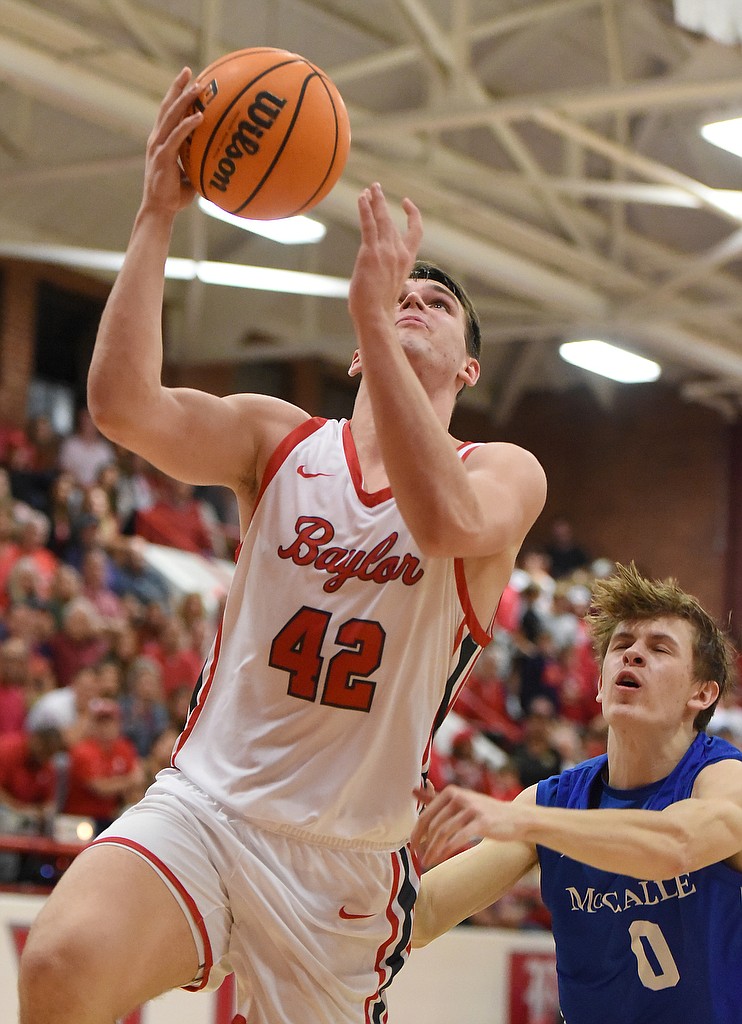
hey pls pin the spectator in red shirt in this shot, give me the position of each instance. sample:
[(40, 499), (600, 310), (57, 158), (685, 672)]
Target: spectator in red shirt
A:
[(8, 551), (28, 789), (104, 768), (80, 642), (179, 662), (176, 520), (30, 544), (27, 772), (14, 670)]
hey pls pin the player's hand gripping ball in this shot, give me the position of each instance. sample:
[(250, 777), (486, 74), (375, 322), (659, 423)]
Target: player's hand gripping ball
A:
[(274, 137)]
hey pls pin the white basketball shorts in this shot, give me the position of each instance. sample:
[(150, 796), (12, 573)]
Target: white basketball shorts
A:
[(314, 934)]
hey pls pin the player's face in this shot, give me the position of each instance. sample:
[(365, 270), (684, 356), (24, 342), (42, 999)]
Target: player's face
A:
[(431, 325), (427, 308), (648, 674)]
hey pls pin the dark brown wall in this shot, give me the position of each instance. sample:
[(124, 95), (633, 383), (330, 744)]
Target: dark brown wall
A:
[(19, 283), (17, 296), (645, 480)]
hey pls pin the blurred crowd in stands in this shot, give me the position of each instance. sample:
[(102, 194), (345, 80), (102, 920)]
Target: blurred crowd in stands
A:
[(99, 656)]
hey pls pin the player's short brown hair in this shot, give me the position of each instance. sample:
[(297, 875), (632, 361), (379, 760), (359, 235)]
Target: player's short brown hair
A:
[(627, 596)]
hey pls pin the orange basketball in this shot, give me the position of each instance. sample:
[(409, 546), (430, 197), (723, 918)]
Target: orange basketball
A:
[(274, 138)]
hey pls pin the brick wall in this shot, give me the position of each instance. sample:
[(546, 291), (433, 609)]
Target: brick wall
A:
[(646, 480), (19, 284), (17, 320)]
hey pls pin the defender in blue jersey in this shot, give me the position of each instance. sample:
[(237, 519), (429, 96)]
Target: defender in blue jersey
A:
[(640, 850)]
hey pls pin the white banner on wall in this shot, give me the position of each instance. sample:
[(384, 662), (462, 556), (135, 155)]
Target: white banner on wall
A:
[(471, 976)]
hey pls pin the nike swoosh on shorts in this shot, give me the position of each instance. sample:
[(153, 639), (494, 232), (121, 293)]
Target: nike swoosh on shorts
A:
[(347, 916)]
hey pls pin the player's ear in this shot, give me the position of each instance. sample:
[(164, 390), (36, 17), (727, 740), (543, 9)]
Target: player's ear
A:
[(469, 374), (704, 695), (355, 364), (599, 694)]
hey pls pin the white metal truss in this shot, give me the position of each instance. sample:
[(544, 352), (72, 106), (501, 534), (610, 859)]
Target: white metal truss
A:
[(552, 145)]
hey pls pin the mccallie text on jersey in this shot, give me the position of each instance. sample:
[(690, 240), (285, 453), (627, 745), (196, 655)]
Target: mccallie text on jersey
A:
[(641, 894)]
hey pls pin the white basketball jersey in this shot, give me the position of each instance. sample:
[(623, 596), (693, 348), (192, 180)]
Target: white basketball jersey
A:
[(340, 651)]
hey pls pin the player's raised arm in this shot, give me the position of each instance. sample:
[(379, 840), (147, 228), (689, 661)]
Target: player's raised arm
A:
[(684, 837), (188, 434), (414, 359)]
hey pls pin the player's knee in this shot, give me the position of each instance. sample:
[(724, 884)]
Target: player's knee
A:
[(56, 971)]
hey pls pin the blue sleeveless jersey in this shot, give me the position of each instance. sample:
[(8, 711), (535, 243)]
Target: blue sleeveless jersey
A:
[(631, 951)]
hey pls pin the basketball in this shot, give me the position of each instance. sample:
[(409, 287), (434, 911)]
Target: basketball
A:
[(274, 137)]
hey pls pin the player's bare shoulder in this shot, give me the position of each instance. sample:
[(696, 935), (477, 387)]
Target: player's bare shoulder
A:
[(263, 422), (513, 474)]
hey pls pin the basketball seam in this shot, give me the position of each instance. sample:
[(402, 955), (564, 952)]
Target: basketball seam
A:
[(282, 146), (334, 148)]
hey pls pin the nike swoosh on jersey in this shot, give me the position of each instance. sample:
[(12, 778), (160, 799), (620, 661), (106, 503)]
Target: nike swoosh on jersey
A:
[(302, 471), (347, 916)]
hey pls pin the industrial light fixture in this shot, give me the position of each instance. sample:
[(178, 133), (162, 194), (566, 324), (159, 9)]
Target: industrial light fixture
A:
[(234, 275), (718, 19), (725, 134), (609, 361), (270, 279), (288, 231)]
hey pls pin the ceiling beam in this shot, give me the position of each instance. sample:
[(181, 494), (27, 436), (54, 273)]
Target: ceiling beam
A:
[(584, 104), (627, 157), (501, 24), (63, 85), (441, 49)]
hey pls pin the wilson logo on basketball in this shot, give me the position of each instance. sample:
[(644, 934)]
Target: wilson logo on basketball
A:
[(312, 547), (261, 115), (208, 93)]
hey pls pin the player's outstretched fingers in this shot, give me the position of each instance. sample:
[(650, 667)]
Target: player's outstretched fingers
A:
[(366, 218), (414, 234)]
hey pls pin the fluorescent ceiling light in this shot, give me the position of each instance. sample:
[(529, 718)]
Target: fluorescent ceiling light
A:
[(289, 231), (725, 134), (609, 361), (269, 279), (234, 275), (718, 19)]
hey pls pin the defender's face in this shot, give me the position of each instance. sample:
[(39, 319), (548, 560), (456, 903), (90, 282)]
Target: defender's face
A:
[(648, 672)]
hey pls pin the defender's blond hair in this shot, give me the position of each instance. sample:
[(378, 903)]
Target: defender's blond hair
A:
[(627, 596)]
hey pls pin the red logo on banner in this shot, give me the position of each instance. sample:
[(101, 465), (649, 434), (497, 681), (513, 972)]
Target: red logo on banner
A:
[(533, 988), (20, 934)]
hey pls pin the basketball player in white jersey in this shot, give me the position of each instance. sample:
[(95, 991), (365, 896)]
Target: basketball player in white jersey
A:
[(373, 556)]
